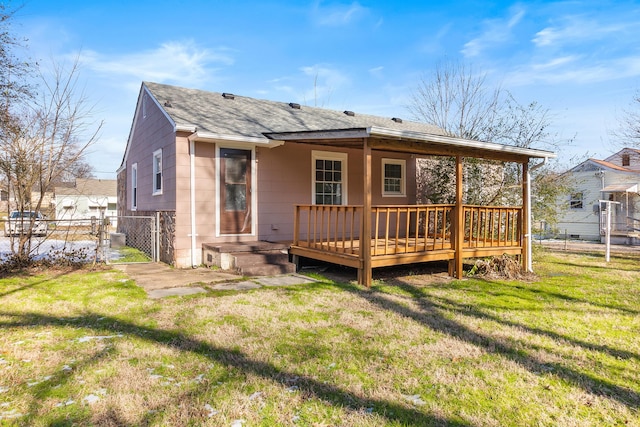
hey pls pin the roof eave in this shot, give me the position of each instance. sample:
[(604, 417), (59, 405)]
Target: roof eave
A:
[(461, 142), (385, 133), (218, 137)]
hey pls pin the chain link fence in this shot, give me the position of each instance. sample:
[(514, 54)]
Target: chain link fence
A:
[(103, 239), (137, 232)]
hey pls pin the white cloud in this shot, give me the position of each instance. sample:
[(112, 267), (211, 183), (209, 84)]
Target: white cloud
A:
[(574, 30), (496, 31), (556, 62), (178, 62), (571, 70), (337, 14), (376, 71)]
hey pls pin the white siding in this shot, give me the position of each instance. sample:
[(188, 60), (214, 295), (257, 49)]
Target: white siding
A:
[(585, 222)]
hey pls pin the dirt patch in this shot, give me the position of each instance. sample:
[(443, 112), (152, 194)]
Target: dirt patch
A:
[(500, 267)]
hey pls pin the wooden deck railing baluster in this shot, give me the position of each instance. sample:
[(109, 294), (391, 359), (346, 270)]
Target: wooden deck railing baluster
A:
[(332, 233)]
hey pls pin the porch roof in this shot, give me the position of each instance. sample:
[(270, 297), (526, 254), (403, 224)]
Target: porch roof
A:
[(386, 139), (620, 188)]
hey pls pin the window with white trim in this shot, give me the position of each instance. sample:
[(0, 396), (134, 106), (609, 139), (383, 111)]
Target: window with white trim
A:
[(576, 201), (134, 186), (157, 172), (393, 177), (329, 178)]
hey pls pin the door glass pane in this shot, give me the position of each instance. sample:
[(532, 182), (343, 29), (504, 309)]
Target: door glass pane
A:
[(236, 198), (236, 170), (235, 184)]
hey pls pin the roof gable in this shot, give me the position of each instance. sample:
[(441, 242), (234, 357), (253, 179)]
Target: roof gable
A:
[(592, 165), (628, 158)]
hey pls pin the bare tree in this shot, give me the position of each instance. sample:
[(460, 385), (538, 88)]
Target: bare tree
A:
[(14, 85), (48, 138), (458, 99), (628, 131)]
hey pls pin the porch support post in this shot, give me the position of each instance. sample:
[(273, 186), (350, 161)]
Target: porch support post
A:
[(458, 230), (526, 216), (365, 274)]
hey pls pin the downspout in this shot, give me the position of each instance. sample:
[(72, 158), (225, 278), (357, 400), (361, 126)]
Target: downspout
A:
[(192, 191), (528, 236)]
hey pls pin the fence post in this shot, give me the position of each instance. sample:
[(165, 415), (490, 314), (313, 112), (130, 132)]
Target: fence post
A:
[(156, 257)]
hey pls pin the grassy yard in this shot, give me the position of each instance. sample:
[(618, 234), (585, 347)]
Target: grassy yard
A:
[(88, 348)]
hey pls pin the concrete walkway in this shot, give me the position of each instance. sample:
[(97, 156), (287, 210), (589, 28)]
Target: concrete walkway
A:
[(160, 280)]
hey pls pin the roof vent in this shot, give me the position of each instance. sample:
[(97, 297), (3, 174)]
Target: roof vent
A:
[(168, 104), (294, 105), (228, 95), (397, 119), (350, 113)]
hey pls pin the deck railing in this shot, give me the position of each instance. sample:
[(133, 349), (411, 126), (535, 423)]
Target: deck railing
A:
[(332, 228), (404, 229), (491, 226), (410, 228)]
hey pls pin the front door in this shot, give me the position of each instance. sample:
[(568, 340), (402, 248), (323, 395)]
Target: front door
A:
[(235, 191)]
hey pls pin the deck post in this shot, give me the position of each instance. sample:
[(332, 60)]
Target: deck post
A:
[(526, 214), (365, 275), (458, 230)]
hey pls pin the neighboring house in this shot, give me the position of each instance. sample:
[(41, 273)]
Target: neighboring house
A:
[(617, 179), (8, 202), (86, 199), (219, 168)]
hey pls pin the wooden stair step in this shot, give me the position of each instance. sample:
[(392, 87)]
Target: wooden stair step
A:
[(263, 263)]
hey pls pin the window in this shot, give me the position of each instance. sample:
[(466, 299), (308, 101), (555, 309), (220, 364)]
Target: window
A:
[(576, 201), (626, 160), (329, 178), (134, 186), (393, 177), (157, 172)]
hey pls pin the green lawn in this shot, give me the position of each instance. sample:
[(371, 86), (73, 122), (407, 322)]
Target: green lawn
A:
[(88, 348)]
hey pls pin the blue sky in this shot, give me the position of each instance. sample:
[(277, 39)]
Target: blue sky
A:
[(580, 59)]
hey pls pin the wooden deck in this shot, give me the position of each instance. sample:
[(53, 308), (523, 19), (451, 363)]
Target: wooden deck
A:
[(404, 234)]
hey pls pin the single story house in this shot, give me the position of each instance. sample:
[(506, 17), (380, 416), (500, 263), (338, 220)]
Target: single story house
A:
[(87, 198), (338, 186), (615, 179), (8, 201)]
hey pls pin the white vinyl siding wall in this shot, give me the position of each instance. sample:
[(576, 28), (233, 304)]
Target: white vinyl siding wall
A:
[(585, 222)]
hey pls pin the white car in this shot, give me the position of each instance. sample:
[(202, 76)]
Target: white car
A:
[(19, 223)]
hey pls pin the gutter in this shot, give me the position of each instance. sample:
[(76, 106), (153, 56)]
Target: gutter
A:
[(192, 192), (528, 236)]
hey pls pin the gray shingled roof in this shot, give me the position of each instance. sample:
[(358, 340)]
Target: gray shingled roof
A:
[(89, 187), (211, 113)]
